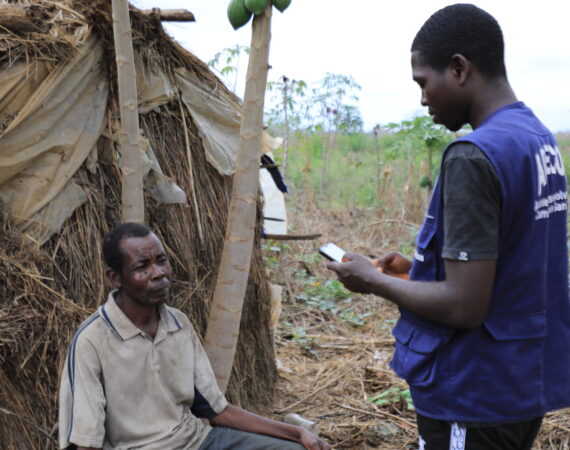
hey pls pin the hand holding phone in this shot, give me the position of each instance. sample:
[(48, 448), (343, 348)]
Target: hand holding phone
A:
[(332, 252), (396, 265)]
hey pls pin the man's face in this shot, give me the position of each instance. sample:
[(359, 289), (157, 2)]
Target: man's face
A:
[(145, 279), (440, 94)]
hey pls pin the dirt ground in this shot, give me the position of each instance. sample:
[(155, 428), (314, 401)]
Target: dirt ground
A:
[(333, 358)]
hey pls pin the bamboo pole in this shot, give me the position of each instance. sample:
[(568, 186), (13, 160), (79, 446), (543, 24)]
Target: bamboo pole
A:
[(131, 163), (225, 314), (171, 15)]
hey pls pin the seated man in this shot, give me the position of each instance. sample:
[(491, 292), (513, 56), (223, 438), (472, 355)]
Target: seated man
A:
[(136, 375)]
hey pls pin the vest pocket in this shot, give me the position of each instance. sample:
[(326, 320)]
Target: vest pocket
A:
[(415, 356), (510, 355), (517, 328)]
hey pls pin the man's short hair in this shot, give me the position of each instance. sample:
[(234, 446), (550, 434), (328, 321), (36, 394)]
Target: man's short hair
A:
[(464, 29), (112, 243)]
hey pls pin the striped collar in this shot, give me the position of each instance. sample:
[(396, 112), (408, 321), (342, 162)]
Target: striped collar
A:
[(124, 329)]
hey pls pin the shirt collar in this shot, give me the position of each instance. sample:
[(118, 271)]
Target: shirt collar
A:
[(122, 325)]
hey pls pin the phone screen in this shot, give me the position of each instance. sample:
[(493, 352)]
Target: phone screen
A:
[(332, 252)]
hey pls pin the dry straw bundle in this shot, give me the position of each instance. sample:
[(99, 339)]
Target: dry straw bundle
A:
[(47, 290)]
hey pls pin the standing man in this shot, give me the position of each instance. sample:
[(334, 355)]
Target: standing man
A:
[(136, 375), (484, 334)]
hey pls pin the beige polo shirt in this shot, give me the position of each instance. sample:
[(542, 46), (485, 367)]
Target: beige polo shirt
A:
[(120, 389)]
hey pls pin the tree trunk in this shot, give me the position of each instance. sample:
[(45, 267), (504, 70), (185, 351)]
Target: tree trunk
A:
[(223, 324), (131, 164)]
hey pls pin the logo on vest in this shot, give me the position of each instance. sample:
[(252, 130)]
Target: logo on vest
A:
[(463, 256), (418, 256), (549, 163)]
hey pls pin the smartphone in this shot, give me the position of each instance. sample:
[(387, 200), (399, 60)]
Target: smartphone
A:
[(332, 252)]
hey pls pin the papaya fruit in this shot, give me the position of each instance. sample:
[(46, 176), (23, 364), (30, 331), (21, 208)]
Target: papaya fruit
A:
[(238, 14), (256, 6), (281, 5)]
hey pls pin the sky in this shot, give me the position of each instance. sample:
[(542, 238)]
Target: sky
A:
[(370, 40)]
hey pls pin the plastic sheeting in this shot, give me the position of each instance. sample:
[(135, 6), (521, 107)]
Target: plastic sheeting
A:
[(50, 123), (51, 120), (274, 211), (217, 116), (153, 89)]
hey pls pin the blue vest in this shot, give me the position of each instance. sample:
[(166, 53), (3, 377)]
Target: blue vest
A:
[(515, 366)]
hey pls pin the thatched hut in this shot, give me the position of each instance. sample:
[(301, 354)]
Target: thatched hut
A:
[(60, 192)]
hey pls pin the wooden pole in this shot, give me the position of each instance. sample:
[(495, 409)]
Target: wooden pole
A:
[(225, 314), (171, 15), (293, 237), (131, 164)]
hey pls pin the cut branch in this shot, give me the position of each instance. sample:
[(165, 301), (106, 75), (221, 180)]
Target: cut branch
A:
[(292, 237), (171, 15)]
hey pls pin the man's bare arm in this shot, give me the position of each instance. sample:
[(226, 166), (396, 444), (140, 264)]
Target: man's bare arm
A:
[(461, 301), (240, 419)]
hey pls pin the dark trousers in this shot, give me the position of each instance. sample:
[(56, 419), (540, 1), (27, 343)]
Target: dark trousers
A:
[(221, 438), (443, 435)]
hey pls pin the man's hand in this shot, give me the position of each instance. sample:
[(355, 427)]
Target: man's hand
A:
[(240, 419), (394, 264), (312, 442), (357, 274), (461, 300)]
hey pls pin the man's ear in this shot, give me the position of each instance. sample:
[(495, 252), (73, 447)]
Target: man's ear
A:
[(461, 68), (114, 278)]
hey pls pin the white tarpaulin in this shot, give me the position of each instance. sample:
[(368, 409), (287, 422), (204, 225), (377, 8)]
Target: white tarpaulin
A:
[(274, 212), (53, 120), (154, 89), (217, 116)]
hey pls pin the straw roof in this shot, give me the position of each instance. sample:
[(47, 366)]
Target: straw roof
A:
[(47, 290)]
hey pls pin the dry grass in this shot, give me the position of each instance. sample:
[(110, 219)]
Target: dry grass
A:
[(327, 376)]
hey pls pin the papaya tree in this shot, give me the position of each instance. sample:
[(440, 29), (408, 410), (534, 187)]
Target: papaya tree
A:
[(222, 331)]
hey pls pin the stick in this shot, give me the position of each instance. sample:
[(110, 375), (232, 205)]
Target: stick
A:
[(292, 237), (191, 173), (171, 15), (409, 425)]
